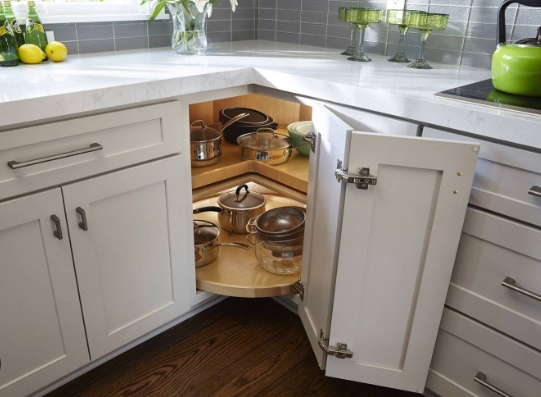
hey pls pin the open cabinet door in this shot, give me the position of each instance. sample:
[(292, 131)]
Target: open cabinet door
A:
[(324, 209), (398, 244)]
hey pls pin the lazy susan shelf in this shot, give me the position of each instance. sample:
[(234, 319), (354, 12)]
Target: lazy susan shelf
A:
[(294, 173), (236, 272)]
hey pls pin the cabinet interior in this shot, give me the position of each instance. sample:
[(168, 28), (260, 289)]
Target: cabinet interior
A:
[(236, 272)]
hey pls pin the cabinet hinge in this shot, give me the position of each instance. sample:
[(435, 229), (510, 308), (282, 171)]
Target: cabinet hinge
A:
[(299, 287), (340, 351), (363, 179)]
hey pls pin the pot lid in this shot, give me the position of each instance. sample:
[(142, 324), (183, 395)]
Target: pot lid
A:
[(204, 232), (265, 139), (236, 199), (254, 116), (199, 132), (533, 42)]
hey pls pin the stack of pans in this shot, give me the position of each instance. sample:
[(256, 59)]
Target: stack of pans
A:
[(278, 235)]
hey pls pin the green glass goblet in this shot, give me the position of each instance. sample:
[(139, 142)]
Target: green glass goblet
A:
[(426, 22), (353, 43), (362, 17), (400, 19)]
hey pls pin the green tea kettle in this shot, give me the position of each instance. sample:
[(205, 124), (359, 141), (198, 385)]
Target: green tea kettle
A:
[(516, 67)]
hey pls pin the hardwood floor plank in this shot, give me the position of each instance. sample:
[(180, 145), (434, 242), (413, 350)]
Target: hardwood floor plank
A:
[(240, 347)]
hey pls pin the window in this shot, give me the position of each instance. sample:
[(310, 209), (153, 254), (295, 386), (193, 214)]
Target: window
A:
[(63, 11)]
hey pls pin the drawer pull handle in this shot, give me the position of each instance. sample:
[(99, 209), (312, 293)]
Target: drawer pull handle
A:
[(92, 148), (481, 378), (83, 224), (58, 232), (511, 284), (535, 191)]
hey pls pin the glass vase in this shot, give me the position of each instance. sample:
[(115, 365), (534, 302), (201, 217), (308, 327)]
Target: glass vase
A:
[(189, 28)]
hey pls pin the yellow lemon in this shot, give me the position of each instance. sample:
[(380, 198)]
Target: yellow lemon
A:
[(56, 51), (30, 53)]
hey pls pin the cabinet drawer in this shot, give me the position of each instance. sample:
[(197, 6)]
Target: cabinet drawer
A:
[(41, 156), (465, 347), (503, 178), (491, 249)]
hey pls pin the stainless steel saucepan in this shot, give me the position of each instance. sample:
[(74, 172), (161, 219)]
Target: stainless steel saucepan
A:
[(206, 245), (236, 209)]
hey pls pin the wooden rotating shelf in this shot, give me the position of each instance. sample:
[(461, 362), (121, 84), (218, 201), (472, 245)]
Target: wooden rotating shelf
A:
[(236, 272), (293, 174)]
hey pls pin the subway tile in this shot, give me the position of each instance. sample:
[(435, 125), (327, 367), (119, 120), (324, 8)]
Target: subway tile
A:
[(243, 24), (131, 43), (243, 35), (244, 13), (63, 31), (314, 17), (316, 41), (219, 37), (266, 24), (289, 4), (90, 46), (94, 31), (267, 4), (266, 35), (72, 46), (312, 28), (221, 13), (131, 29), (159, 41), (287, 15), (315, 5), (219, 26), (284, 37), (160, 28), (286, 26)]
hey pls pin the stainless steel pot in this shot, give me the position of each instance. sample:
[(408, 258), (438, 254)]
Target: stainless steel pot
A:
[(235, 210), (278, 224), (206, 245), (266, 146), (206, 142)]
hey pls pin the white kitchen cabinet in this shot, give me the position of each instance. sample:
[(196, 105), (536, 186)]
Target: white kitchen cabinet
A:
[(42, 336), (132, 247), (378, 260)]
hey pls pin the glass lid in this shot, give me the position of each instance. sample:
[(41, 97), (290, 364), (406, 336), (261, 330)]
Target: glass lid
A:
[(264, 139), (237, 199), (204, 232)]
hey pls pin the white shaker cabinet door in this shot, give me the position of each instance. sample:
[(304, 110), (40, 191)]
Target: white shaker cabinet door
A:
[(392, 256), (42, 336), (132, 235)]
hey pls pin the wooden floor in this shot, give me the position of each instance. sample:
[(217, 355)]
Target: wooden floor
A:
[(240, 347)]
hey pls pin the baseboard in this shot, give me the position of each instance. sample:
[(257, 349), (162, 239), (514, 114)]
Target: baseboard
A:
[(107, 357)]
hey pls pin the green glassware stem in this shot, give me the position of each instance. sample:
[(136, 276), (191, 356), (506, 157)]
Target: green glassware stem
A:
[(425, 34), (360, 44), (402, 41)]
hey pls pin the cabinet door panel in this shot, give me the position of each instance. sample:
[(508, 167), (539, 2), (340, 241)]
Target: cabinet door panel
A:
[(41, 329), (397, 249), (133, 261)]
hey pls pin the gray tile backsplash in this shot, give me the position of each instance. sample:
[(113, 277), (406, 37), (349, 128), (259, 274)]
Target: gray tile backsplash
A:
[(470, 38)]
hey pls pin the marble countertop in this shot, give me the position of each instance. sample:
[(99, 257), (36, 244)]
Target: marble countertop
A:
[(30, 93)]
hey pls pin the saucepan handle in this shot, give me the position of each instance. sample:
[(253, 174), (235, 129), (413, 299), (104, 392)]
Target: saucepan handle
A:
[(245, 247), (250, 226), (207, 209)]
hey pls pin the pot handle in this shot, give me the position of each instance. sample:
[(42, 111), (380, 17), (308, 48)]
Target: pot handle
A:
[(237, 193), (245, 247), (234, 120), (250, 226), (207, 209), (251, 238), (502, 35), (289, 152), (265, 130), (197, 123)]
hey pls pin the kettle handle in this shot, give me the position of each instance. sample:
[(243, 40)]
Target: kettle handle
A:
[(502, 35)]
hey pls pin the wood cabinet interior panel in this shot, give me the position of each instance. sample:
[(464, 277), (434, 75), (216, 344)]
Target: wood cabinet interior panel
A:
[(283, 112)]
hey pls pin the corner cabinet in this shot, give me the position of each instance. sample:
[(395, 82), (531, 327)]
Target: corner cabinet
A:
[(42, 337), (380, 245)]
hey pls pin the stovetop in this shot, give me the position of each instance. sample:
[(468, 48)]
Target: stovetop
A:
[(484, 93)]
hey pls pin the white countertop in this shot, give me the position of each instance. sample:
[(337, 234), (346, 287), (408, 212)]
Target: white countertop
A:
[(82, 83)]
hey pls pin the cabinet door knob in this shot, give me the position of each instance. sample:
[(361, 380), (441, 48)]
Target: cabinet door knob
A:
[(481, 378), (58, 226), (84, 223)]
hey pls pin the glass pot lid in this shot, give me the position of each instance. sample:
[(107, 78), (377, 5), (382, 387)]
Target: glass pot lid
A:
[(199, 132), (204, 232), (265, 139), (236, 199)]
